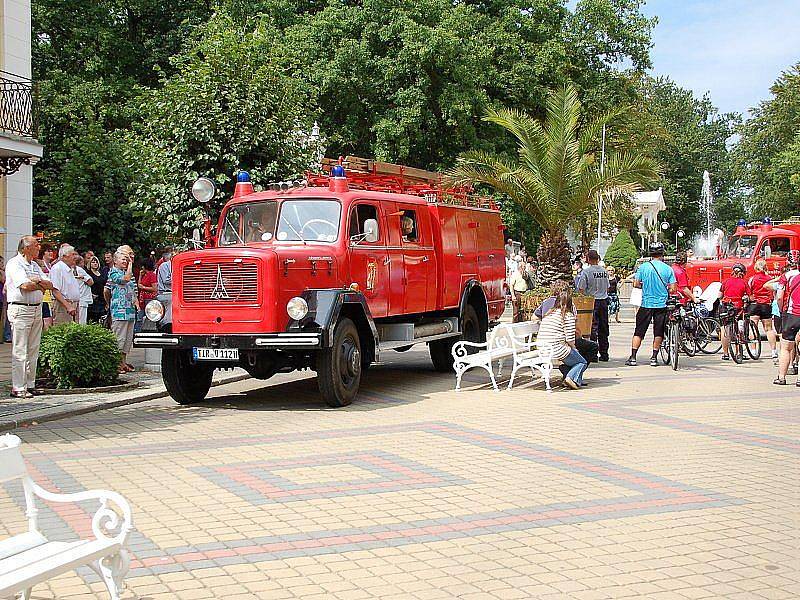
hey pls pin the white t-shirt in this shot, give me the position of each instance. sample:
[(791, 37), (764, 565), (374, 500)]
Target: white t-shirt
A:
[(64, 281), (85, 298), (18, 272)]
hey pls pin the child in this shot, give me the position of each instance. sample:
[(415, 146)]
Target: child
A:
[(734, 290)]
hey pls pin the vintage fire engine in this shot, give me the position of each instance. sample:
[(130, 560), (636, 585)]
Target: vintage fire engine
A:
[(767, 240), (327, 274)]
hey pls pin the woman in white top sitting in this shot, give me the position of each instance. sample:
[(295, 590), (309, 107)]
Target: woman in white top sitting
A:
[(558, 330)]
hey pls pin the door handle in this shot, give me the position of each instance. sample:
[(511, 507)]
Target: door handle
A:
[(491, 256), (424, 259), (387, 261), (459, 255)]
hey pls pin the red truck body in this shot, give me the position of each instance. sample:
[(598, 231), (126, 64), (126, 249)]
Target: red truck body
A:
[(338, 247), (772, 242)]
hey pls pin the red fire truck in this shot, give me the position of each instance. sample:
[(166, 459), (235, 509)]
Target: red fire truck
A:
[(767, 240), (327, 274)]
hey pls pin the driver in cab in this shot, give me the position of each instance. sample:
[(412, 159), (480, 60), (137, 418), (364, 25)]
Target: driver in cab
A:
[(407, 229)]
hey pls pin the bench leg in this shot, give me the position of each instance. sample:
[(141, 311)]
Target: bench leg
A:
[(113, 570), (513, 374), (26, 594)]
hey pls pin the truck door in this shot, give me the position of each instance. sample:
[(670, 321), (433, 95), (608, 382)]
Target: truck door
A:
[(467, 239), (419, 262), (369, 258)]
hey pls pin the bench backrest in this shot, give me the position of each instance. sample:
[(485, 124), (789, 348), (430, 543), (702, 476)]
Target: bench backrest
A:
[(513, 336)]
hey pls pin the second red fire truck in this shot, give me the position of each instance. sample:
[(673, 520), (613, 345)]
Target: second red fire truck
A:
[(365, 258)]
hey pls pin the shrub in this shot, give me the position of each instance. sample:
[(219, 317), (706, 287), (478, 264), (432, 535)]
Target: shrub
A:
[(73, 355), (622, 253)]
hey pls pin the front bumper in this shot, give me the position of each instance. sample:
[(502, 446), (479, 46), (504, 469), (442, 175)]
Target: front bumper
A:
[(273, 341)]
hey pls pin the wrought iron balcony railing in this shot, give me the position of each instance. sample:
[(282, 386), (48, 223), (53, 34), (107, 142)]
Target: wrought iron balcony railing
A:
[(16, 105)]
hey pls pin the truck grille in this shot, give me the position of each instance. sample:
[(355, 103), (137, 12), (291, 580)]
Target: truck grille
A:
[(226, 283)]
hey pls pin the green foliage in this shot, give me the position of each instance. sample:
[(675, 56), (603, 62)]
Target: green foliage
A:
[(686, 136), (73, 355), (768, 153), (622, 253), (229, 105)]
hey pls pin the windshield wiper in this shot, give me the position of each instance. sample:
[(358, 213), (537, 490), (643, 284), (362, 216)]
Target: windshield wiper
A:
[(297, 233)]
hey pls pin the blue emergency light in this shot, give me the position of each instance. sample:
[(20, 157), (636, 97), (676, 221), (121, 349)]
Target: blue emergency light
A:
[(243, 177), (741, 223), (766, 221), (337, 171)]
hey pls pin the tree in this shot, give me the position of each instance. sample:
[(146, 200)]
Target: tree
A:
[(768, 153), (229, 105), (622, 252), (686, 136), (557, 175)]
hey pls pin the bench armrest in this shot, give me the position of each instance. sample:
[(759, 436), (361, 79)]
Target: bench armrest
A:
[(461, 348), (106, 522)]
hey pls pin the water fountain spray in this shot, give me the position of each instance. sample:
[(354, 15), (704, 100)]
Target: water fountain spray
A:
[(706, 202)]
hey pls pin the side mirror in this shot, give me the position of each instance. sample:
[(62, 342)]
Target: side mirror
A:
[(196, 234), (766, 251), (370, 231)]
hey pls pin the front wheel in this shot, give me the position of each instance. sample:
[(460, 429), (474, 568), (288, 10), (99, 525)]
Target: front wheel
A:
[(339, 368), (709, 336), (736, 349), (752, 339), (665, 351), (186, 382), (674, 345)]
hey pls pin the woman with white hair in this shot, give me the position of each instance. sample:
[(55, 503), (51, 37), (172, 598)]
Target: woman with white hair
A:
[(124, 305)]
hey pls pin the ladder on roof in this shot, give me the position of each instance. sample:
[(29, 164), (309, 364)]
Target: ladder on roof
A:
[(378, 176)]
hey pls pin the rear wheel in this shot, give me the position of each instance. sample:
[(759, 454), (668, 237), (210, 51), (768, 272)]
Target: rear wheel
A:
[(736, 344), (674, 345), (709, 336), (185, 381), (752, 339), (339, 368), (665, 343), (471, 331)]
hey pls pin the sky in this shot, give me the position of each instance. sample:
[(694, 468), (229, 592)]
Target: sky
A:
[(733, 49)]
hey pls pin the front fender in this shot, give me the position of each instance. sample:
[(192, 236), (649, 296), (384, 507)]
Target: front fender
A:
[(324, 309)]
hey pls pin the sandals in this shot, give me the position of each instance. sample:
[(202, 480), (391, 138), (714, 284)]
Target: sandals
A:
[(21, 394), (779, 381)]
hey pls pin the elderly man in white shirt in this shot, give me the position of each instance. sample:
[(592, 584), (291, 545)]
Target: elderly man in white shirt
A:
[(66, 287), (25, 284)]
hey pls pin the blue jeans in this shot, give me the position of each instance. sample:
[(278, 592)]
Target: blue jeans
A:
[(577, 365)]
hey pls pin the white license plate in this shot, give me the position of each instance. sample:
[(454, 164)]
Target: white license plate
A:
[(215, 353)]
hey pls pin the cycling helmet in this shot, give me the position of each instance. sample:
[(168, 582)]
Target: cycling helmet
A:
[(739, 268), (793, 258), (656, 249)]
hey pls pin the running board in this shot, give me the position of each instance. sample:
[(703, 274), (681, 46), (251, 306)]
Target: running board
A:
[(402, 335)]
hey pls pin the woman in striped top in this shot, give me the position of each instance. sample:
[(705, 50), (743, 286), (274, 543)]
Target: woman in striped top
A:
[(558, 330)]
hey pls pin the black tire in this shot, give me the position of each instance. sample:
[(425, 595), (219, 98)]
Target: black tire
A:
[(665, 351), (186, 382), (709, 336), (752, 339), (339, 368), (471, 331), (674, 345), (736, 346)]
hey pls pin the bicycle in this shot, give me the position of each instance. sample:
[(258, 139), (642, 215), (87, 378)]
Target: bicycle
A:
[(745, 337), (708, 335), (679, 335)]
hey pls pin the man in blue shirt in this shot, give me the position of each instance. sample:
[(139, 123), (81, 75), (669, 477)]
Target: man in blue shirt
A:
[(657, 281)]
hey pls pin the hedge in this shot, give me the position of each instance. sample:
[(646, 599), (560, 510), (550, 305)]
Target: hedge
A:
[(622, 253), (73, 355)]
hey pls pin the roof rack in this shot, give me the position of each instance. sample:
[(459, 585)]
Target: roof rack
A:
[(377, 176)]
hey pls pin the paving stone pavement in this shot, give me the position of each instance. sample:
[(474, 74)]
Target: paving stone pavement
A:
[(646, 484)]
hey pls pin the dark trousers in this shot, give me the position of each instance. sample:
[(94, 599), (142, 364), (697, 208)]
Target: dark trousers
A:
[(600, 325)]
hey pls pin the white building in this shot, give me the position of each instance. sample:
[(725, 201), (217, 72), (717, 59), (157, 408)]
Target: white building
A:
[(19, 149)]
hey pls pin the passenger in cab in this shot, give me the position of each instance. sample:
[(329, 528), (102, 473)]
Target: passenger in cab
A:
[(734, 291), (762, 296)]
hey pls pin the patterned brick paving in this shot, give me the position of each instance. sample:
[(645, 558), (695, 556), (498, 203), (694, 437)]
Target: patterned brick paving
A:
[(648, 484)]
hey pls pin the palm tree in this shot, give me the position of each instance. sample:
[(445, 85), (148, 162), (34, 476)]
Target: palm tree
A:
[(558, 175)]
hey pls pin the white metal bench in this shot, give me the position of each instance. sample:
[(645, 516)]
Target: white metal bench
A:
[(30, 558), (534, 356), (501, 343)]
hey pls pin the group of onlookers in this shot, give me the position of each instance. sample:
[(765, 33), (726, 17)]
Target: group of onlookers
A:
[(43, 286)]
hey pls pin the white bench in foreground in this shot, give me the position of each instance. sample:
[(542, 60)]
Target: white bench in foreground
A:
[(30, 558), (502, 342)]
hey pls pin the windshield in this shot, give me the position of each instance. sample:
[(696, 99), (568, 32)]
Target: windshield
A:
[(741, 246), (309, 221), (245, 223)]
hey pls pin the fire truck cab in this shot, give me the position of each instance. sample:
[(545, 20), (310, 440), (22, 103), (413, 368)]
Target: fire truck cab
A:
[(750, 242), (329, 274)]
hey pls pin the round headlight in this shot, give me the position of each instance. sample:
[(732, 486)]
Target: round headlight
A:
[(297, 308), (154, 311), (204, 190)]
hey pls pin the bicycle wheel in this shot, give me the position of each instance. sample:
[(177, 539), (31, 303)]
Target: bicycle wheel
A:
[(688, 341), (664, 351), (752, 339), (674, 346), (736, 344), (709, 336)]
